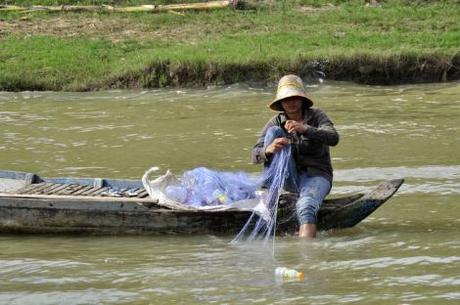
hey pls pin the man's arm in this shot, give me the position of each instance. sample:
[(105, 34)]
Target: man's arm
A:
[(258, 152), (325, 133)]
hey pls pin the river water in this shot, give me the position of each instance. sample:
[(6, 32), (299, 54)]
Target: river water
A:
[(407, 252)]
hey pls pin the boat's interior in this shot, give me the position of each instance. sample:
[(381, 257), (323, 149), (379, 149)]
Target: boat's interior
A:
[(21, 183), (32, 184), (29, 184)]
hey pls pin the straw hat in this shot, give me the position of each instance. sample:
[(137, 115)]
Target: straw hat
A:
[(288, 86)]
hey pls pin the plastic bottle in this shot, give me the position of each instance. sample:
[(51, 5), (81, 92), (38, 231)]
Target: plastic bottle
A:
[(221, 197), (285, 274), (176, 193)]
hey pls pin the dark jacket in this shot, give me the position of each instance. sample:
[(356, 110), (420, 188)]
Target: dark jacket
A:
[(311, 153)]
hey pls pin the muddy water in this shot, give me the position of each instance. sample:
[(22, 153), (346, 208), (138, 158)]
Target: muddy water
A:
[(407, 252)]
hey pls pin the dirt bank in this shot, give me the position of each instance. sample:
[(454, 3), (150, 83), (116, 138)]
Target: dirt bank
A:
[(359, 69)]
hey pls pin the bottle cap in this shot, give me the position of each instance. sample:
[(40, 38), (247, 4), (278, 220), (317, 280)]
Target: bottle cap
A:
[(301, 276)]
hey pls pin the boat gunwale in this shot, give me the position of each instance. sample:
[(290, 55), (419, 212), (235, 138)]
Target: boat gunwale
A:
[(148, 203), (80, 198), (328, 203)]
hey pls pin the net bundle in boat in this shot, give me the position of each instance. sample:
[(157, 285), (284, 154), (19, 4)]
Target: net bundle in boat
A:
[(201, 187)]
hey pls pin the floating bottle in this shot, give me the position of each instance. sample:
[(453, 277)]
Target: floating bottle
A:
[(285, 274)]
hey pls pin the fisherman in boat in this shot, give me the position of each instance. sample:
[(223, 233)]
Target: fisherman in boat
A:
[(310, 132)]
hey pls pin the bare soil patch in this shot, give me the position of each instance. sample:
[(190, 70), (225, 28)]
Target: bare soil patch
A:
[(114, 29)]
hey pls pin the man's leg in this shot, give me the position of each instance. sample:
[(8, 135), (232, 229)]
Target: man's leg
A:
[(313, 190), (273, 133)]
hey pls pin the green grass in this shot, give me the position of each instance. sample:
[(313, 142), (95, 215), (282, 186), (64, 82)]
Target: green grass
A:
[(277, 35), (93, 2), (49, 63)]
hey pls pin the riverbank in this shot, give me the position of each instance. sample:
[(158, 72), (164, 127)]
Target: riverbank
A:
[(391, 42)]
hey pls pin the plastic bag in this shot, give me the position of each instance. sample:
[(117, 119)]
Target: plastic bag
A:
[(204, 187)]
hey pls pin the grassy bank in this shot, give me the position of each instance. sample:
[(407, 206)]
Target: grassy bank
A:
[(393, 42)]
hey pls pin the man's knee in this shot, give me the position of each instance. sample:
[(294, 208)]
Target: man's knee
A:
[(276, 132)]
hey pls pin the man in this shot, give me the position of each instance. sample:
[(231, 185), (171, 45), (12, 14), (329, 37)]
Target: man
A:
[(310, 133)]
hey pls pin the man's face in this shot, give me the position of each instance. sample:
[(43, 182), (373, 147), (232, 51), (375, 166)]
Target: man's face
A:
[(292, 104)]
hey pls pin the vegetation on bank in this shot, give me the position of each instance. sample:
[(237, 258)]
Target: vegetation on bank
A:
[(393, 41)]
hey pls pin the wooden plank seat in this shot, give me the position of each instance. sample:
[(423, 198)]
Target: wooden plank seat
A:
[(70, 189)]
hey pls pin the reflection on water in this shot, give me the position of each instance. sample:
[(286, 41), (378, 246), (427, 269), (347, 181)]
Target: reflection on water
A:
[(406, 252)]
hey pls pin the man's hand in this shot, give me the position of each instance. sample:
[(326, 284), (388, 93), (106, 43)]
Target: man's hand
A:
[(292, 126), (276, 146)]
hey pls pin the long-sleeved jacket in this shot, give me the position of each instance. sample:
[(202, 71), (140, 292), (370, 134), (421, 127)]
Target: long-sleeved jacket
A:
[(311, 153)]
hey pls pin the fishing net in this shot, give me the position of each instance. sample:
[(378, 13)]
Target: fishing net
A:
[(204, 189), (262, 226)]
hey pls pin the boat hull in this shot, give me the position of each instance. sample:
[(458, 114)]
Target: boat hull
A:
[(69, 215), (28, 212)]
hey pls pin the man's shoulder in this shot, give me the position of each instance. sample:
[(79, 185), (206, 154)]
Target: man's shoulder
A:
[(314, 111), (315, 114), (278, 118)]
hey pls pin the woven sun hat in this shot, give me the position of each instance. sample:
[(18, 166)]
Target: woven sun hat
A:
[(289, 85)]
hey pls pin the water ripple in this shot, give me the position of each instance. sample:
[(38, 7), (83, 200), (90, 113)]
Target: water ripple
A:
[(449, 296), (440, 188), (32, 265), (422, 172), (384, 262), (76, 297), (434, 280)]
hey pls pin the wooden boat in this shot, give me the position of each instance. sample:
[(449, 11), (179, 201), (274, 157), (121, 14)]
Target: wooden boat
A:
[(31, 204)]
